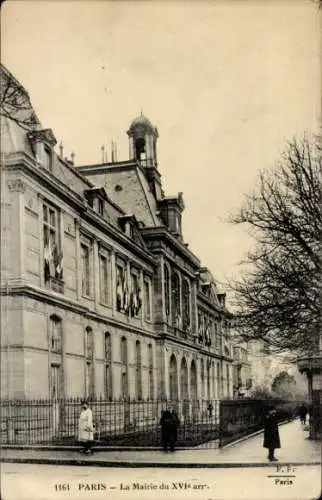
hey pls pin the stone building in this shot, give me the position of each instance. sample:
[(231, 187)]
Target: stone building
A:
[(242, 371), (101, 296)]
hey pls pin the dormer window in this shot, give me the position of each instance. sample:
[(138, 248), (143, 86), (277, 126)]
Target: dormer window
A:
[(42, 142), (96, 197), (100, 206), (47, 158)]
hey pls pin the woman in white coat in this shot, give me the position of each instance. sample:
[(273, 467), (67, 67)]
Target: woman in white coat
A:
[(86, 428)]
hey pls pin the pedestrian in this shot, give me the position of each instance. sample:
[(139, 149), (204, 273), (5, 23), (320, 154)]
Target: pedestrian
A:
[(86, 429), (271, 434), (302, 413), (169, 429), (174, 429)]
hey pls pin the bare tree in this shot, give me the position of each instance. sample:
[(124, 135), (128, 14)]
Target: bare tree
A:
[(15, 102), (278, 298)]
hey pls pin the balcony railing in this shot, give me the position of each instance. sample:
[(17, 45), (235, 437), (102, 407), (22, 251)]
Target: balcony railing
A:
[(56, 285)]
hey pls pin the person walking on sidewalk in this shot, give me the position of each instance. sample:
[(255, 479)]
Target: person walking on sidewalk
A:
[(271, 434), (86, 428), (169, 429), (303, 413)]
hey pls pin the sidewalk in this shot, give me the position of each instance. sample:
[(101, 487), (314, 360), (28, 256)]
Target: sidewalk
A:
[(296, 449)]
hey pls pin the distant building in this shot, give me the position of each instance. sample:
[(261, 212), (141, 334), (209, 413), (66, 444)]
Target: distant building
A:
[(311, 365), (101, 296), (242, 371)]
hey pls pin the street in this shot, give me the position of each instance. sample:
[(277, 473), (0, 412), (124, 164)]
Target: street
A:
[(52, 482)]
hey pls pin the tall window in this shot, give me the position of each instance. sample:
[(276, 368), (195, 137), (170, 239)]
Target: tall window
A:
[(147, 300), (151, 378), (108, 367), (167, 290), (55, 335), (55, 381), (176, 310), (124, 382), (209, 332), (53, 257), (121, 289), (135, 294), (228, 379), (208, 378), (103, 262), (184, 379), (85, 269), (202, 378), (173, 378), (138, 363), (186, 303), (89, 362)]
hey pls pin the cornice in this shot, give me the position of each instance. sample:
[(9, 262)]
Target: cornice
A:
[(101, 168), (21, 161), (161, 232), (67, 304)]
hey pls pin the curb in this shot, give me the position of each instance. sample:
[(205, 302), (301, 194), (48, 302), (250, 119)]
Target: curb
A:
[(49, 447), (167, 465), (248, 436), (38, 447)]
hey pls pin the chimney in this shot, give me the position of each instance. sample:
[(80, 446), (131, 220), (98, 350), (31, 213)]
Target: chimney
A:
[(103, 153), (72, 157), (61, 150)]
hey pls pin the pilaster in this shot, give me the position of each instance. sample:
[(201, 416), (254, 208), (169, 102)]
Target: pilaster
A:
[(17, 228)]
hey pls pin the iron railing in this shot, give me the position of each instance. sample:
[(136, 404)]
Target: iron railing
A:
[(242, 417), (117, 423), (126, 422)]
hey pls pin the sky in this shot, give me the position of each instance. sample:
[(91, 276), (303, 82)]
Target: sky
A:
[(227, 84)]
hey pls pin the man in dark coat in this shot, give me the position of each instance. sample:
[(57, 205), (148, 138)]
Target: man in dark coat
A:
[(271, 434), (303, 413), (169, 429)]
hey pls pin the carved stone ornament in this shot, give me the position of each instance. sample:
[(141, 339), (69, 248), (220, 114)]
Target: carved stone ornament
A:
[(16, 185)]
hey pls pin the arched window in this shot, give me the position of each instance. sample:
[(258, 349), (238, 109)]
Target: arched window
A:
[(208, 379), (202, 378), (173, 373), (176, 300), (151, 377), (124, 381), (140, 149), (167, 290), (89, 343), (184, 379), (186, 304), (108, 365), (55, 349), (193, 380), (138, 364), (55, 334)]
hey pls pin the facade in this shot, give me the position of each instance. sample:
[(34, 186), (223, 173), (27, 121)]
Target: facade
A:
[(242, 371), (101, 296)]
